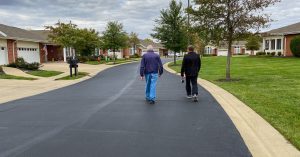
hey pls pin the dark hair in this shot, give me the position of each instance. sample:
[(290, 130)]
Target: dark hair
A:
[(191, 48)]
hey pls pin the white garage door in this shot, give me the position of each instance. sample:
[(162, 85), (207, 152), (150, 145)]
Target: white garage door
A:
[(222, 53), (30, 55), (29, 51), (3, 56)]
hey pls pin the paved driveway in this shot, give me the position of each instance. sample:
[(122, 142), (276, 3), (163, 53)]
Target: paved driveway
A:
[(107, 116)]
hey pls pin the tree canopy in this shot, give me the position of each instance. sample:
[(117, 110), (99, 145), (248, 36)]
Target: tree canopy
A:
[(114, 37), (253, 43), (171, 28), (134, 40), (228, 20)]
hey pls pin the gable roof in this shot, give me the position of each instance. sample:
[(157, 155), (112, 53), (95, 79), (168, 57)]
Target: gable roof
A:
[(42, 33), (145, 43), (9, 32), (290, 29)]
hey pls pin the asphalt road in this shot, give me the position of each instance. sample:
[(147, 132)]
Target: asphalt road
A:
[(107, 116)]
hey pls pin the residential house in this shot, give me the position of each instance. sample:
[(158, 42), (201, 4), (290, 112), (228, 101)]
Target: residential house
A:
[(16, 42), (238, 47), (157, 47), (278, 40)]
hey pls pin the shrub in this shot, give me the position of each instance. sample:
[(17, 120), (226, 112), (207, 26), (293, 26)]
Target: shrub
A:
[(12, 65), (20, 63), (268, 53), (273, 53), (32, 66), (93, 58), (1, 70), (260, 53), (279, 54), (83, 59), (295, 46), (135, 56)]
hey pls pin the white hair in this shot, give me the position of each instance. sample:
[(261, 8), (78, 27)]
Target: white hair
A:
[(149, 48)]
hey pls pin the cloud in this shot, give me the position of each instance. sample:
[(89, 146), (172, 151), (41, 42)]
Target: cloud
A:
[(136, 15)]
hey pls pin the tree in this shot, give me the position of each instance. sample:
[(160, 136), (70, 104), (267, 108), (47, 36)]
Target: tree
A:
[(253, 43), (63, 34), (84, 41), (171, 28), (295, 46), (134, 40), (87, 41), (114, 37), (230, 18)]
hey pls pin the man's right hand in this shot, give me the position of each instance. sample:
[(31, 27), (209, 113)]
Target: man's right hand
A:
[(142, 78)]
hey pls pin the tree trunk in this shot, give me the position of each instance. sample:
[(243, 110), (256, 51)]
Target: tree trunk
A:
[(174, 58), (134, 48), (228, 59), (114, 56)]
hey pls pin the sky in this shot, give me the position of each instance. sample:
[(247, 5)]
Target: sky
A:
[(136, 15)]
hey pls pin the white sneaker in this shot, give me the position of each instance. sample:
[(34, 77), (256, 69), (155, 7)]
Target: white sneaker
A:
[(189, 97), (195, 98)]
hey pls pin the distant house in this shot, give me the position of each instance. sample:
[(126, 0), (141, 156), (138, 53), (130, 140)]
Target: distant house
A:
[(238, 47), (32, 45), (157, 47), (16, 42), (278, 40)]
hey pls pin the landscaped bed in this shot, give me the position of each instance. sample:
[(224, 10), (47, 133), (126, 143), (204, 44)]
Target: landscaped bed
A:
[(4, 76), (269, 85), (80, 75), (44, 73)]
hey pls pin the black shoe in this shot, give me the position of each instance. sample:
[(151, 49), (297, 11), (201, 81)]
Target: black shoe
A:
[(152, 102)]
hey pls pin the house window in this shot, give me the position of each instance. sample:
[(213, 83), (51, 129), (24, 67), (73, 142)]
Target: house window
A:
[(237, 50), (267, 44), (273, 41), (279, 42)]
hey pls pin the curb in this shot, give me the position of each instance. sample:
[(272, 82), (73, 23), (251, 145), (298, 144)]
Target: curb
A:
[(260, 137)]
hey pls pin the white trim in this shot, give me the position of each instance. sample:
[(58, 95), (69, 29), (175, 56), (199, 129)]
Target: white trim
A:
[(2, 33)]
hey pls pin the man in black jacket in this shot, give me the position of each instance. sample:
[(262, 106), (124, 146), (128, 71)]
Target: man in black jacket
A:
[(191, 65)]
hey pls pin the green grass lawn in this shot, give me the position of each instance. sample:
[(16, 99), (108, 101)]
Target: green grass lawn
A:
[(270, 86), (80, 75), (11, 77), (44, 73)]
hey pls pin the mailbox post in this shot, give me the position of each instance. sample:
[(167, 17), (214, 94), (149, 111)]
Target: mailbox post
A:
[(73, 64)]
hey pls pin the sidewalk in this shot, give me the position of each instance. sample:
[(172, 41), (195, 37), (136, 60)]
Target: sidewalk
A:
[(260, 137), (16, 89)]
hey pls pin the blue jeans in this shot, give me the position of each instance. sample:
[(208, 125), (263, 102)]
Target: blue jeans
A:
[(151, 81)]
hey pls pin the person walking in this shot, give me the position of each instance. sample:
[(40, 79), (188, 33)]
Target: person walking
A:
[(151, 68), (190, 68)]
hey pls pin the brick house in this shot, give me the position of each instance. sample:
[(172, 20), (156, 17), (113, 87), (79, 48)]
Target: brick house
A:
[(157, 47), (16, 42), (238, 47), (278, 40)]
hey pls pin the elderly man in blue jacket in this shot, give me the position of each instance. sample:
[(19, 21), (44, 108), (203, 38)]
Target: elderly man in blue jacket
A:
[(151, 68)]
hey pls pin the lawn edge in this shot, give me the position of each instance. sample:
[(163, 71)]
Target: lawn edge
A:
[(261, 138)]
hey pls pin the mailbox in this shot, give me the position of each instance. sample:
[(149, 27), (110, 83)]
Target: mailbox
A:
[(73, 63)]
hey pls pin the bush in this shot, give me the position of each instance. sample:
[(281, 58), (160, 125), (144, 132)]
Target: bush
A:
[(93, 58), (279, 54), (273, 53), (21, 64), (295, 46), (268, 53), (83, 59), (33, 66), (1, 70), (260, 53), (135, 56)]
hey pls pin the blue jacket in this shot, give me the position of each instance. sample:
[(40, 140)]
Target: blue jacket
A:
[(151, 63)]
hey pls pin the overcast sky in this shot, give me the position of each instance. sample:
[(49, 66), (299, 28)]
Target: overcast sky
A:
[(136, 15)]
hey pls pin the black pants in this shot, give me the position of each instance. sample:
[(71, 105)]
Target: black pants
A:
[(191, 81)]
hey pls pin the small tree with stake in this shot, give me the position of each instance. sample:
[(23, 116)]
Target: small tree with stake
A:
[(253, 43), (114, 37), (232, 18), (134, 40), (171, 28)]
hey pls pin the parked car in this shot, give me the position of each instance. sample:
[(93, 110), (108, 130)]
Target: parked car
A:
[(171, 54)]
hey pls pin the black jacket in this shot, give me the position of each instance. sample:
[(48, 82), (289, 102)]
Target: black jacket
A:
[(191, 64)]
